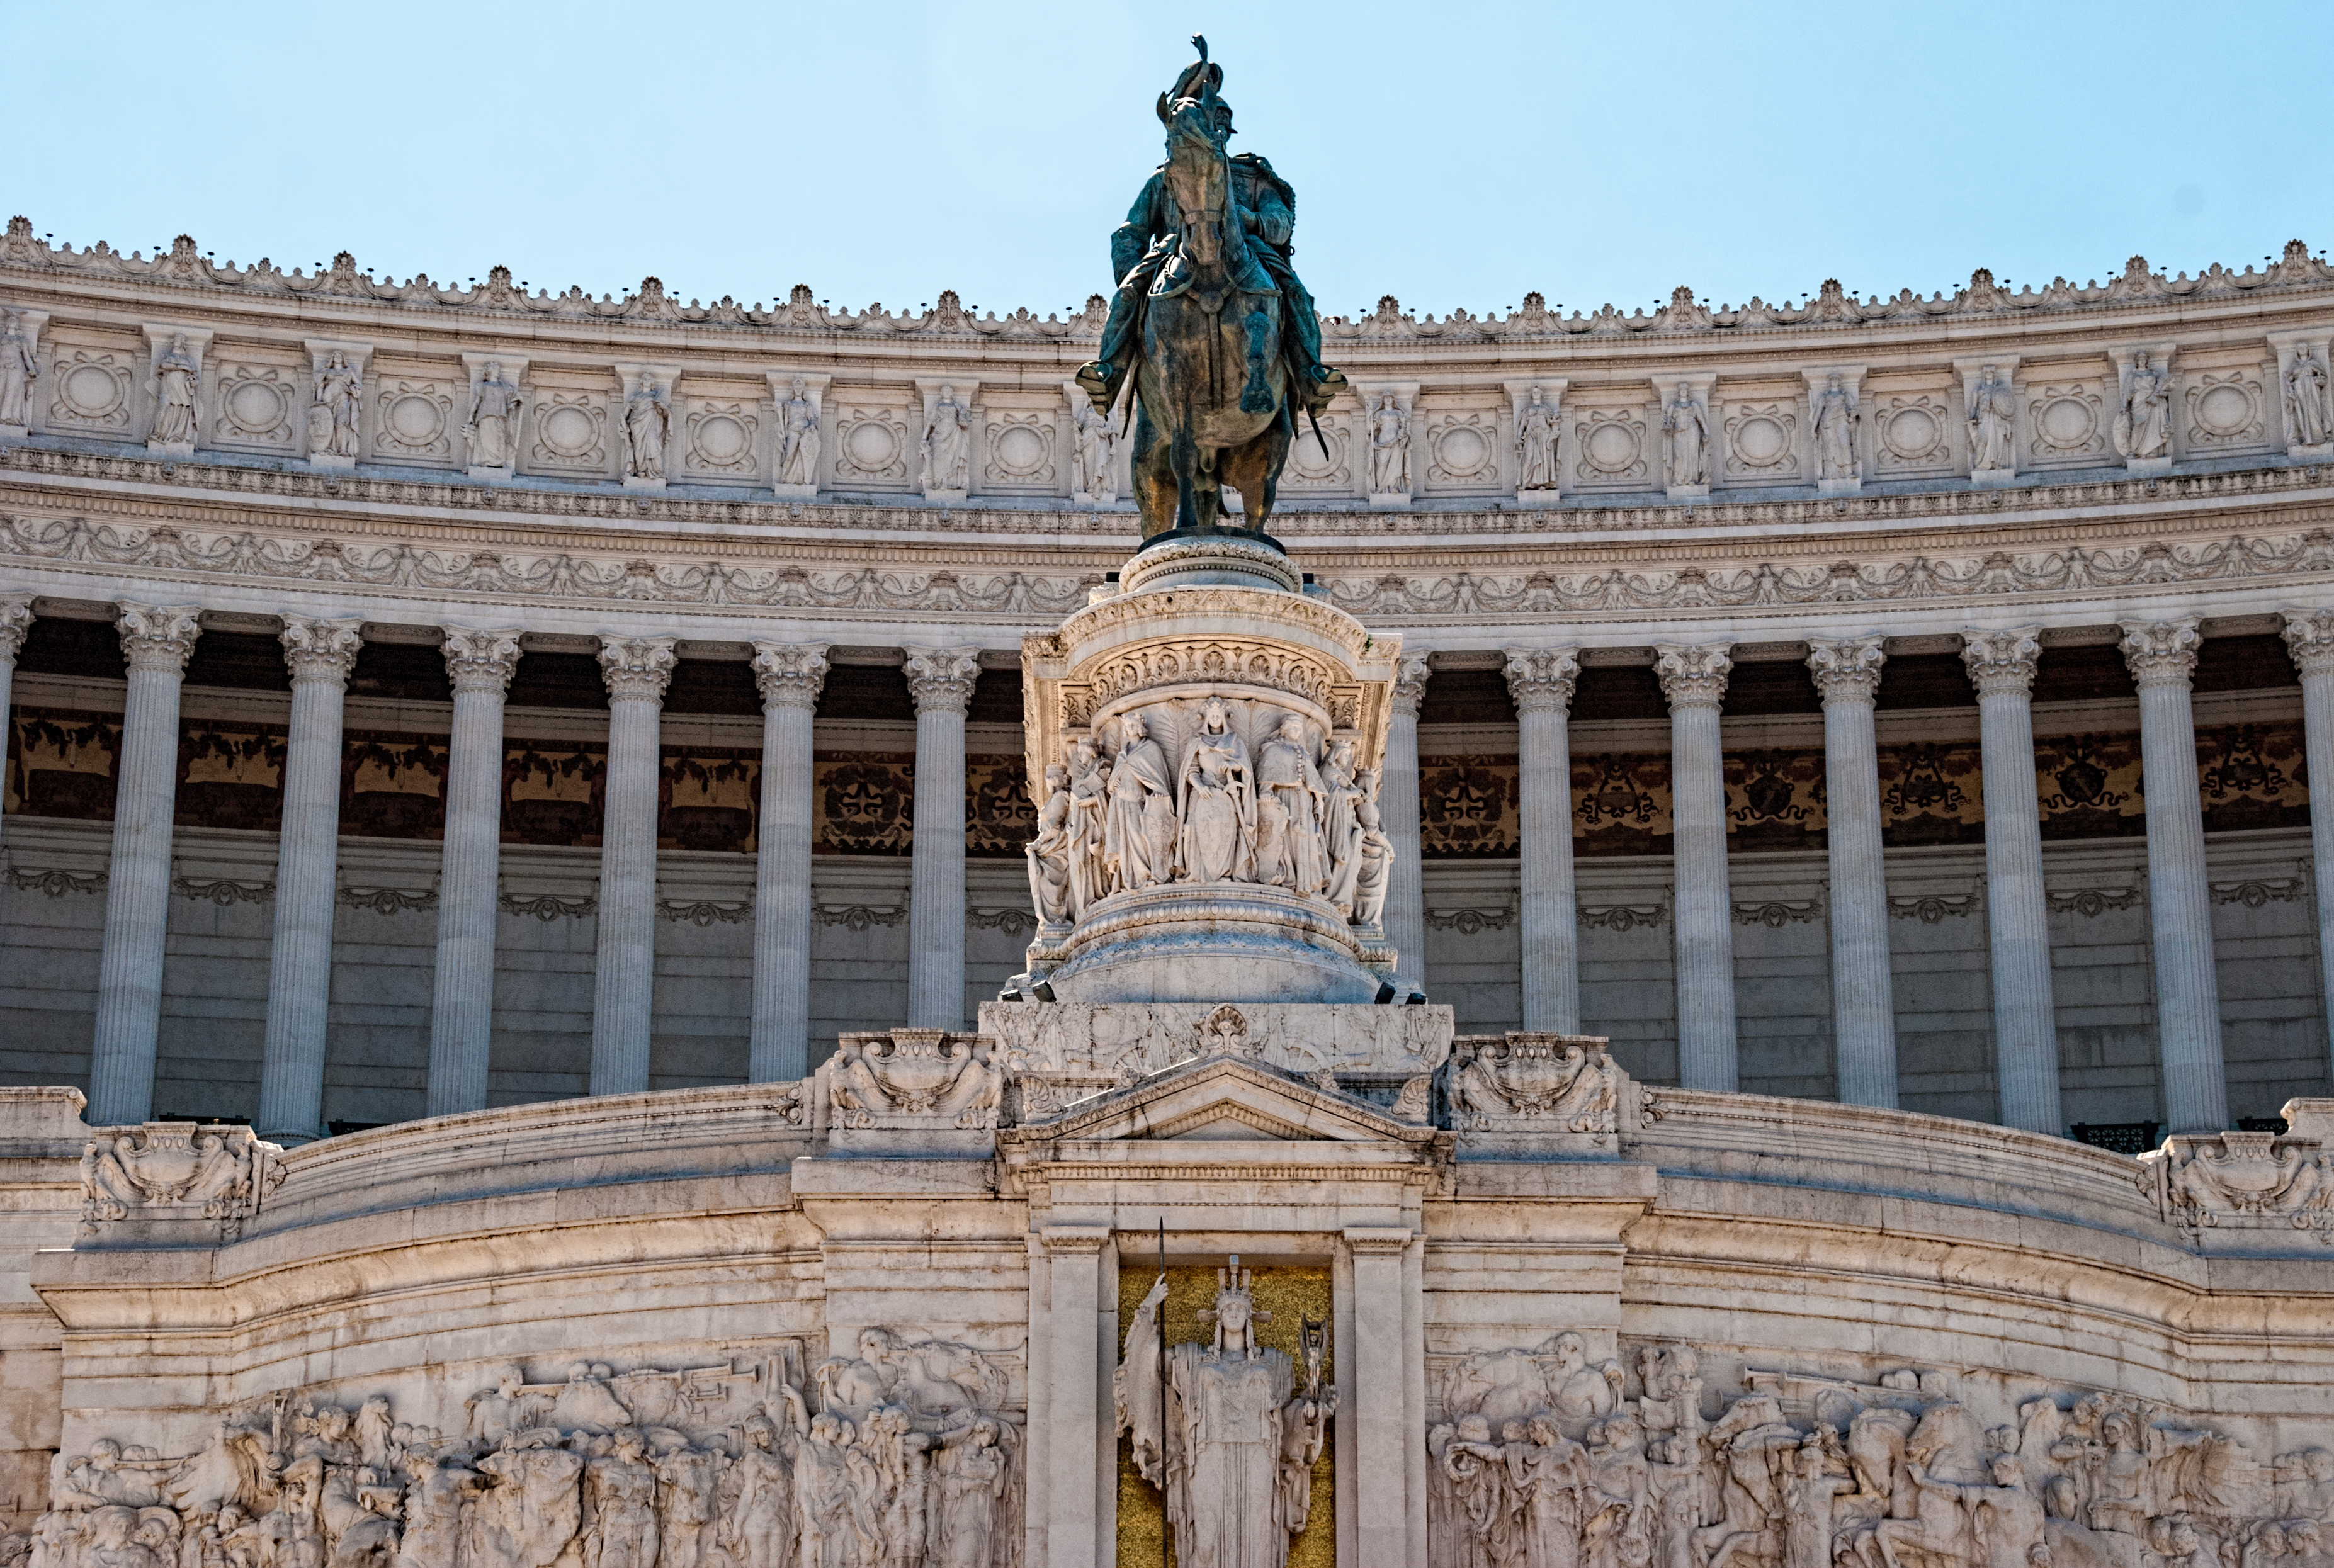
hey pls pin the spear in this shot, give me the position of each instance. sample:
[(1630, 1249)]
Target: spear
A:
[(1165, 1560)]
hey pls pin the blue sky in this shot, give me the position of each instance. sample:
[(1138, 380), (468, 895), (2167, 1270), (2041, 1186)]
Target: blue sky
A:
[(1448, 153)]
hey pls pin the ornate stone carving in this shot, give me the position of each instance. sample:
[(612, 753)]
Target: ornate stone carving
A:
[(1542, 678), (20, 366), (480, 661), (2307, 399), (2143, 421), (2310, 639), (1410, 677), (15, 620), (174, 1170), (790, 674), (1847, 668), (176, 389), (1094, 451), (1140, 819), (2232, 1182), (158, 637), (647, 421), (1237, 1471), (1389, 447), (321, 649), (2162, 652), (941, 679), (1835, 416), (1991, 410), (2002, 662), (491, 427), (796, 459), (1537, 433), (1216, 794), (921, 1090), (1693, 676), (636, 668), (1561, 1092), (1686, 451), (335, 411), (947, 443)]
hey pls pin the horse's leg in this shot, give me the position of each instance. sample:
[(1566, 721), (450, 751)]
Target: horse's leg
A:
[(1154, 477), (1185, 456), (1247, 468), (1263, 346)]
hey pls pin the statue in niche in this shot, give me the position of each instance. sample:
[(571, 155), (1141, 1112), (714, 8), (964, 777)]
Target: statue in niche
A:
[(1536, 437), (1139, 831), (492, 429), (332, 414), (647, 417), (1688, 429), (2143, 425), (1227, 1435), (1089, 804), (1389, 447), (1991, 408), (175, 384), (1343, 789), (1835, 421), (947, 435), (1374, 866), (19, 366), (1048, 853), (1095, 442), (1216, 803), (1290, 793), (798, 437), (2307, 413)]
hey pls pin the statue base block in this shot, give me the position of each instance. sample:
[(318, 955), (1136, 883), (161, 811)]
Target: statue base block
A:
[(1531, 500), (1228, 941), (331, 462), (1993, 478), (2148, 467)]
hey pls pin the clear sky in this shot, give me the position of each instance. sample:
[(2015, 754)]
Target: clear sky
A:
[(1452, 154)]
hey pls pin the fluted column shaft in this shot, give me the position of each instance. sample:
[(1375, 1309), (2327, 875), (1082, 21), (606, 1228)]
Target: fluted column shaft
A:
[(300, 966), (1405, 907), (1540, 681), (790, 677), (2162, 655), (155, 644), (1863, 997), (2025, 1022), (1694, 679), (2310, 636), (15, 620), (462, 1002), (942, 680), (624, 982)]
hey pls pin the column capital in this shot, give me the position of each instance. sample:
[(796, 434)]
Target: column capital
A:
[(941, 678), (636, 668), (2310, 638), (1378, 1240), (1074, 1239), (1693, 675), (1410, 675), (2161, 652), (480, 661), (158, 637), (15, 620), (1847, 668), (321, 650), (1540, 680), (2002, 662), (790, 674)]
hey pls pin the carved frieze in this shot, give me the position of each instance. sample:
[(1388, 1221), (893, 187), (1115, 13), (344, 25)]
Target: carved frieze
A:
[(2227, 1183), (175, 1174)]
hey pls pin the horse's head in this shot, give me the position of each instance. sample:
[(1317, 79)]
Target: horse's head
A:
[(1198, 174)]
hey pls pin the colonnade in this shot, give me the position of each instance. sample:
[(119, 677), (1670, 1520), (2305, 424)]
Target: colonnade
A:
[(157, 641)]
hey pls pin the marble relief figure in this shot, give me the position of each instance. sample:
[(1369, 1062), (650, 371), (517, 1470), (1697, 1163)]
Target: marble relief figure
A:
[(2308, 414), (1373, 864), (947, 442), (2143, 425), (1688, 429), (797, 437), (1216, 802), (1139, 829), (332, 415), (173, 386), (647, 417), (1991, 408), (1048, 853), (1089, 801), (493, 425), (1290, 799), (1536, 435), (1091, 452), (1835, 421), (1389, 447), (18, 368)]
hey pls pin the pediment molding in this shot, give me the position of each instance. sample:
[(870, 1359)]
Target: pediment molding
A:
[(1168, 1106)]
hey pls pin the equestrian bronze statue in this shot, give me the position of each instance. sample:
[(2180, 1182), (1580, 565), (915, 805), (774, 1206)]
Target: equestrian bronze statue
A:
[(1222, 339)]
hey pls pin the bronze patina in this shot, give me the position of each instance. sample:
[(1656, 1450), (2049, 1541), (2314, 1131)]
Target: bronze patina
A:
[(1222, 339)]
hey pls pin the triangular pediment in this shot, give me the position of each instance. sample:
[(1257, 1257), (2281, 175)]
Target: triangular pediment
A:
[(1223, 1099)]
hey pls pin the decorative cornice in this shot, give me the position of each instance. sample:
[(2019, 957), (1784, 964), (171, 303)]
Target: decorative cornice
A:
[(858, 917), (941, 678), (1410, 677), (55, 884), (2092, 902), (385, 901), (480, 661), (1693, 675), (224, 891), (2001, 663), (15, 620), (156, 636), (321, 650), (705, 912), (636, 668), (547, 906), (2162, 652), (2310, 638), (1932, 908), (1847, 668), (1540, 680), (1777, 913), (790, 674)]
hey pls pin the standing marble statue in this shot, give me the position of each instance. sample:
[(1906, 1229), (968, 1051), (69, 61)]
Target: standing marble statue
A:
[(492, 429), (1138, 846), (798, 437), (176, 377), (18, 367), (1049, 852), (1991, 408), (1835, 421), (647, 418), (1535, 433), (1226, 1433), (947, 442), (1344, 786), (1091, 452), (2308, 417), (1688, 429), (1216, 803), (1290, 794), (332, 415), (1389, 447), (1089, 804), (2143, 425), (1373, 864)]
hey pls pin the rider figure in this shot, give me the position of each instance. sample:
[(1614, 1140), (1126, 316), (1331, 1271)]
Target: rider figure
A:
[(1144, 244)]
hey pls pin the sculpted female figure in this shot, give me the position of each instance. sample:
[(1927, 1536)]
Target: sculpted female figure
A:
[(1343, 791), (1288, 811), (1216, 787), (1138, 833), (2306, 411), (174, 394), (1689, 434), (798, 438), (1991, 408), (18, 367), (1049, 852), (971, 1480), (1089, 882)]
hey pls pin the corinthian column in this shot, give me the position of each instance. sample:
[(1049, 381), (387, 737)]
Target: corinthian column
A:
[(480, 665), (624, 984), (300, 969), (155, 643), (15, 620), (2025, 1025), (1862, 1004), (1405, 910), (1694, 679), (1540, 680), (2162, 655), (2310, 636), (790, 677), (941, 679)]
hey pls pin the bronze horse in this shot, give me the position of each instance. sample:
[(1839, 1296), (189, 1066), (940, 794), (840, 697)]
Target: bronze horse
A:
[(1213, 402)]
